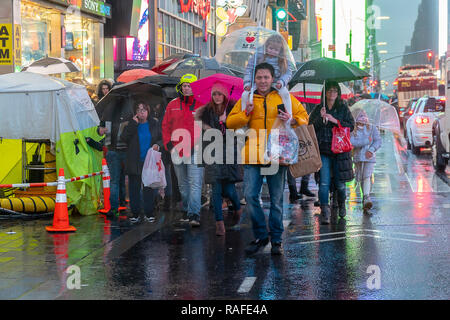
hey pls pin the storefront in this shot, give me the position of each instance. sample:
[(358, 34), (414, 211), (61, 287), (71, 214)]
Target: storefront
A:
[(72, 29)]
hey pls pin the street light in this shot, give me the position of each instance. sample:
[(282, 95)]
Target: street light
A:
[(383, 51), (382, 43), (383, 18)]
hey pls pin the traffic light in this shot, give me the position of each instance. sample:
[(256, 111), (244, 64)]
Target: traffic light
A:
[(430, 56), (281, 14)]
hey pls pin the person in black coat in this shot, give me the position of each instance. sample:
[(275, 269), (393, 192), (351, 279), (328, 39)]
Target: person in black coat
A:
[(140, 134), (336, 168), (221, 175)]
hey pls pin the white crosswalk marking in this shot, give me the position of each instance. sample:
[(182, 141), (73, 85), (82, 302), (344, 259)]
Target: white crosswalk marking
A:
[(247, 285)]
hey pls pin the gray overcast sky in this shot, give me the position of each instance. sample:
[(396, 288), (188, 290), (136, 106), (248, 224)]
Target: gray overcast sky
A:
[(397, 32)]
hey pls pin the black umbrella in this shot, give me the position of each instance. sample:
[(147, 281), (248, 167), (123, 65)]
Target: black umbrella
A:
[(201, 67), (153, 90), (319, 70)]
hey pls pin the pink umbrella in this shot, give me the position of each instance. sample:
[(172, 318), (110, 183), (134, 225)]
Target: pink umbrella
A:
[(201, 89)]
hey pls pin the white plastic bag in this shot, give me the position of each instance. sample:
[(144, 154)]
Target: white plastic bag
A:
[(282, 144), (153, 172)]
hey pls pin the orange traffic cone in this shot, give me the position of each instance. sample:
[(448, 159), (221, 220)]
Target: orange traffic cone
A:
[(106, 188), (61, 215)]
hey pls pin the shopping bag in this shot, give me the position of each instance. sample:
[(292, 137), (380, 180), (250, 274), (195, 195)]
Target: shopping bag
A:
[(309, 160), (340, 142), (282, 144), (153, 172)]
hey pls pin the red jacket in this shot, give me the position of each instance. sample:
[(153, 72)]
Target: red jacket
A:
[(180, 115)]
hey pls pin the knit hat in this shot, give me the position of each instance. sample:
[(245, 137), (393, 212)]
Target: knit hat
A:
[(219, 87)]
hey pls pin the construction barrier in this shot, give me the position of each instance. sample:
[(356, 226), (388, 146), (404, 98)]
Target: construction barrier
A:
[(106, 188), (61, 215), (46, 204)]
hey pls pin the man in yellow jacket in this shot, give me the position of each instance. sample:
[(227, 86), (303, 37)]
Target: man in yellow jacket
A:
[(260, 116)]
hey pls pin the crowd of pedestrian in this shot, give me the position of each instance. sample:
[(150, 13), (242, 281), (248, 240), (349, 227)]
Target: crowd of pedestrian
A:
[(158, 128)]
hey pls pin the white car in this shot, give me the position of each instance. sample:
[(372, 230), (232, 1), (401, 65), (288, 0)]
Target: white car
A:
[(419, 126)]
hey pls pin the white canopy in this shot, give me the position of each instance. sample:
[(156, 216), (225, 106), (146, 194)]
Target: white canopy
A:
[(34, 106)]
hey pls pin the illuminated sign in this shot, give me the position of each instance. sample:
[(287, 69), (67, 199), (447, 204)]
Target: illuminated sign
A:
[(138, 48), (96, 7), (200, 7), (228, 11)]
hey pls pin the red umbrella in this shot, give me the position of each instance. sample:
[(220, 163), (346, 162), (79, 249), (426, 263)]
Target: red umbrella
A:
[(134, 74)]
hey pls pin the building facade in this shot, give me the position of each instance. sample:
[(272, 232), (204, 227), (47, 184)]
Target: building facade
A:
[(71, 29)]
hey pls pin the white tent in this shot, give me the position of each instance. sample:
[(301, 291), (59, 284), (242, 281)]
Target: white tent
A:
[(34, 106)]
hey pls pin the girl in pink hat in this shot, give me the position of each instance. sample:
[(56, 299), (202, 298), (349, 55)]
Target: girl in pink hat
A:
[(220, 174)]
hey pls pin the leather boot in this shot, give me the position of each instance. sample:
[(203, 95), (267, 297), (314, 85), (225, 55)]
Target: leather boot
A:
[(342, 209), (304, 189), (220, 228), (325, 214), (293, 194)]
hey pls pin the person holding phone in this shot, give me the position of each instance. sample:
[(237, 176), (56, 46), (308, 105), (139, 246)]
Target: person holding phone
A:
[(261, 115), (141, 133)]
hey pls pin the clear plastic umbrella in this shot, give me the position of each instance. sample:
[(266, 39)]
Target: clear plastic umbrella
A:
[(241, 45), (378, 113)]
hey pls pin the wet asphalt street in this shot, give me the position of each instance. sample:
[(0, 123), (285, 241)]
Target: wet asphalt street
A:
[(399, 251)]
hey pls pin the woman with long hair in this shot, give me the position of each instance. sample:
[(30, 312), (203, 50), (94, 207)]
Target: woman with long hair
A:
[(221, 176)]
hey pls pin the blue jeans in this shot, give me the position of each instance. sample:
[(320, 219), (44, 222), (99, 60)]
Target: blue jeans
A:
[(227, 189), (330, 169), (116, 161), (190, 181), (253, 183)]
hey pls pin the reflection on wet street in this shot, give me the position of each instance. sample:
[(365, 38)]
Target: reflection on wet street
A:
[(405, 238)]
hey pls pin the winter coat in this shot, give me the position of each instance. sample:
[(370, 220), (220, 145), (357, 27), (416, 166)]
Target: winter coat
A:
[(263, 116), (179, 115), (324, 136), (285, 78), (130, 136), (365, 139), (324, 131), (217, 172)]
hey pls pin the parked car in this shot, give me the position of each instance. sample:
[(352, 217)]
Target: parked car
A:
[(419, 125), (405, 113), (440, 151)]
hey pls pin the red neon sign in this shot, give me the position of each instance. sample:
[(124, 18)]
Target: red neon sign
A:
[(200, 7)]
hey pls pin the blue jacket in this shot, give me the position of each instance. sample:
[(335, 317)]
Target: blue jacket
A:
[(365, 140)]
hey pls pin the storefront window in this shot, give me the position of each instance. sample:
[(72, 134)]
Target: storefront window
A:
[(178, 33), (40, 30), (166, 29), (80, 49), (172, 31)]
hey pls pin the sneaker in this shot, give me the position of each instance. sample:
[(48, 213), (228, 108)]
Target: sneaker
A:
[(276, 249), (256, 245), (135, 220), (149, 219), (185, 217), (243, 202), (194, 221), (205, 201)]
